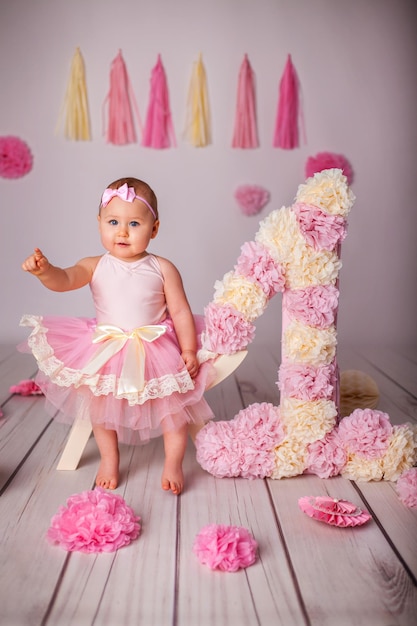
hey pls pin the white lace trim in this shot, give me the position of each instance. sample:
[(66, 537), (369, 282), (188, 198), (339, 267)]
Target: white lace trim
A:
[(99, 384)]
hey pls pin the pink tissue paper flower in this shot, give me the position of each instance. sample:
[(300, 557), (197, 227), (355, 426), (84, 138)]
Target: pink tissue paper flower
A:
[(227, 331), (26, 388), (327, 161), (251, 198), (366, 432), (333, 511), (94, 521), (306, 382), (326, 457), (321, 230), (15, 157), (225, 548), (243, 446), (256, 264), (314, 306), (407, 487)]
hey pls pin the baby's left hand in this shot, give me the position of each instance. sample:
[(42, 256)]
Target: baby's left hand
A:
[(191, 362)]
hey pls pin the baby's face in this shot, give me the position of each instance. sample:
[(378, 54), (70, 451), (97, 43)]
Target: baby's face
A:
[(126, 228)]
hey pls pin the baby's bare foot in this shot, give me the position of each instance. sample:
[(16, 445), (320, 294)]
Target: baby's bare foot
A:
[(172, 478), (108, 473)]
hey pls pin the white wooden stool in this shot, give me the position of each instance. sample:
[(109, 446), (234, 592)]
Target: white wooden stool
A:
[(81, 430)]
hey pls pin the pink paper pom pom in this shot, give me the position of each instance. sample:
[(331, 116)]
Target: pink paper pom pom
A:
[(306, 382), (327, 456), (227, 331), (366, 432), (256, 264), (321, 230), (251, 198), (15, 157), (243, 446), (26, 388), (94, 521), (225, 548), (326, 161), (407, 487), (314, 306)]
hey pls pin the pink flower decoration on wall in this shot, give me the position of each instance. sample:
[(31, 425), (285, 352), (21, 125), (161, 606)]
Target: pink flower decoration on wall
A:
[(327, 161), (251, 198), (15, 157)]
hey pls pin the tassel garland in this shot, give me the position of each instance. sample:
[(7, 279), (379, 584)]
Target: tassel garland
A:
[(286, 128), (198, 130), (121, 127), (75, 105), (159, 129), (245, 133)]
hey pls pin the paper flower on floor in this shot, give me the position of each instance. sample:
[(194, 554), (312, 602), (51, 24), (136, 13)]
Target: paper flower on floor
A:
[(26, 388), (15, 157), (335, 512), (327, 160), (251, 198), (407, 487), (225, 548), (94, 521), (158, 131)]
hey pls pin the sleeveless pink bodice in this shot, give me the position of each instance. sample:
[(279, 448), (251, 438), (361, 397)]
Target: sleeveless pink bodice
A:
[(128, 295)]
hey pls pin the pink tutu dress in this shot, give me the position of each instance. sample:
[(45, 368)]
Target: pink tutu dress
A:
[(122, 370)]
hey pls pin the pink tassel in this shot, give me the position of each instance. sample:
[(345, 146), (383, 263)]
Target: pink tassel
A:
[(121, 127), (245, 132), (286, 127), (159, 129)]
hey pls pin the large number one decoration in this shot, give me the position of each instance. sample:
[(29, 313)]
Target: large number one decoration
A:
[(297, 251)]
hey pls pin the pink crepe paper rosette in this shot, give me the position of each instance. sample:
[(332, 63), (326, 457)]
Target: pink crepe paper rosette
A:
[(333, 511), (328, 160), (251, 198), (15, 157), (227, 331), (366, 432), (257, 265), (243, 446), (407, 487), (26, 388), (225, 548), (94, 521)]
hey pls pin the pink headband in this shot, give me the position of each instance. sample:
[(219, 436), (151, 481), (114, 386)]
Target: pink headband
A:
[(125, 193)]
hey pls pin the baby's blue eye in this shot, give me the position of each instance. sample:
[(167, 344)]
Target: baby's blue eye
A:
[(133, 223), (113, 222)]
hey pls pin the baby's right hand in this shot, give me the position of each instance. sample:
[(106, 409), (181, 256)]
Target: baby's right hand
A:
[(36, 263)]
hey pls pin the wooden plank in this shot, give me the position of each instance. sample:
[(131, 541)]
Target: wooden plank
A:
[(136, 584), (23, 422), (399, 522), (27, 561), (399, 368), (14, 367), (400, 405), (224, 399), (346, 575), (257, 376), (261, 594)]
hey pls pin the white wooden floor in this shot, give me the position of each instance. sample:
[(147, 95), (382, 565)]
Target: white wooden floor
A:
[(307, 573)]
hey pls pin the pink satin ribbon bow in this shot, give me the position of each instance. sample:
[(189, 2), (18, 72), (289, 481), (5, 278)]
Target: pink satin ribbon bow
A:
[(125, 193)]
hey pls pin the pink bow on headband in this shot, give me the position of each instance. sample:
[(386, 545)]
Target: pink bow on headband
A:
[(125, 193)]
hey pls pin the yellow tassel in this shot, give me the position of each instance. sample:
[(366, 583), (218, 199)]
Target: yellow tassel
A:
[(75, 105), (198, 130)]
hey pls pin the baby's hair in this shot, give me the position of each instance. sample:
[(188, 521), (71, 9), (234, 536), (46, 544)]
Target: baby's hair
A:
[(141, 189)]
